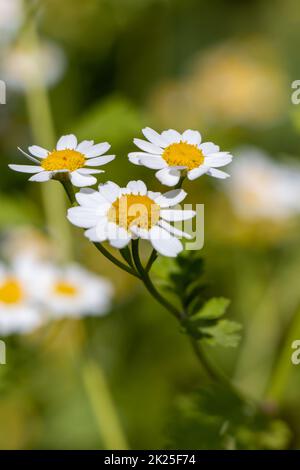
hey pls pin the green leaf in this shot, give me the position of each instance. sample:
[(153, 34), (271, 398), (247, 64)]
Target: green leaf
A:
[(223, 333), (214, 308), (214, 417)]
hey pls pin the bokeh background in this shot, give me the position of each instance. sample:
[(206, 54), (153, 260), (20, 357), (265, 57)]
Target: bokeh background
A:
[(110, 68)]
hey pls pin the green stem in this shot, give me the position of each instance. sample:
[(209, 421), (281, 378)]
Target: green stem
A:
[(284, 365), (126, 254), (42, 128), (114, 260), (151, 260), (148, 283), (180, 182), (103, 408)]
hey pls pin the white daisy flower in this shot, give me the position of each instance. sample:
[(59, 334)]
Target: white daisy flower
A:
[(261, 188), (73, 291), (171, 153), (19, 312), (121, 214), (69, 157)]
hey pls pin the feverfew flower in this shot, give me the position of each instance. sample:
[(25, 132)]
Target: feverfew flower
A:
[(19, 312), (174, 154), (73, 291), (261, 188), (69, 158), (121, 214)]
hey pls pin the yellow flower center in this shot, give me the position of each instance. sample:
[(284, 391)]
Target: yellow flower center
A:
[(137, 210), (65, 288), (183, 154), (67, 159), (11, 291)]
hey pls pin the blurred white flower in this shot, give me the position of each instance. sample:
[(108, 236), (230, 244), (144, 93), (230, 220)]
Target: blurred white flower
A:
[(19, 312), (69, 157), (261, 188), (121, 214), (26, 66), (11, 17), (172, 153), (72, 291)]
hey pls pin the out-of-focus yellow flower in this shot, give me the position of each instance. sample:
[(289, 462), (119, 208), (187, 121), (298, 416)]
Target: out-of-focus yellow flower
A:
[(229, 84)]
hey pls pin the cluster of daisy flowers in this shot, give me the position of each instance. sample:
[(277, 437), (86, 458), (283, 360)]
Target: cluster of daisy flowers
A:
[(33, 292), (120, 214)]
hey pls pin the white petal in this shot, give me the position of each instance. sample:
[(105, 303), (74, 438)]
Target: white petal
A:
[(168, 176), (171, 198), (156, 163), (175, 231), (137, 187), (84, 146), (118, 237), (164, 243), (192, 137), (217, 160), (38, 151), (42, 176), (140, 232), (26, 168), (218, 173), (209, 147), (196, 172), (154, 137), (67, 142), (99, 161), (171, 136), (175, 215), (89, 171), (98, 149), (92, 235), (88, 197), (134, 158), (30, 157), (147, 146), (81, 180), (110, 191), (83, 217)]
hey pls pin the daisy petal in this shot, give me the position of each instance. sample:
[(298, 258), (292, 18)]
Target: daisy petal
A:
[(67, 142), (191, 137), (84, 146), (89, 171), (118, 237), (209, 147), (35, 160), (88, 197), (26, 168), (217, 160), (99, 161), (80, 180), (140, 232), (92, 235), (176, 215), (218, 173), (147, 146), (154, 137), (42, 176), (110, 191), (134, 158), (196, 172), (156, 163), (171, 136), (171, 198), (164, 243), (137, 187), (97, 150), (173, 230), (38, 151), (83, 217), (168, 176)]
